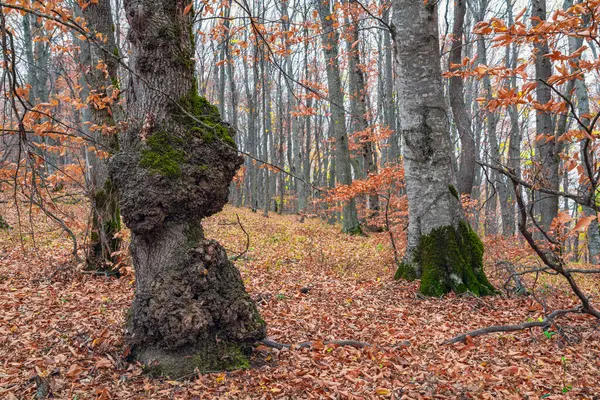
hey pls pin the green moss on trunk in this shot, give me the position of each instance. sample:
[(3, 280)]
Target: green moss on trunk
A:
[(451, 259), (356, 231), (206, 122), (106, 218), (405, 271), (163, 155)]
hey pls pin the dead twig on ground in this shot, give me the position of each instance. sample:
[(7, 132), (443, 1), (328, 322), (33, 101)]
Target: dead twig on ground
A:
[(545, 323)]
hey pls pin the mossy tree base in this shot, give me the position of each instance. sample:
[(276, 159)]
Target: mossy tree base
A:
[(208, 357), (356, 231), (447, 260), (406, 271), (106, 224)]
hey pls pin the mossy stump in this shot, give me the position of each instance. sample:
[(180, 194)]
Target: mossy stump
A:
[(447, 260)]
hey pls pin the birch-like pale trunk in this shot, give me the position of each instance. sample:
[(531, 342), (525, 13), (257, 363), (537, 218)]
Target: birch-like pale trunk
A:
[(442, 248)]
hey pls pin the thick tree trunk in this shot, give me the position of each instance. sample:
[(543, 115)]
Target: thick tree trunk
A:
[(190, 310), (106, 217), (442, 248), (330, 38)]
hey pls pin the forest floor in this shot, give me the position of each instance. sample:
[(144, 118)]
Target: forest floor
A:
[(64, 328)]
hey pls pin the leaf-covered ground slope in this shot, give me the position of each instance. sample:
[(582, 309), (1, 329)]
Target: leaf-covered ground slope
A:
[(60, 330)]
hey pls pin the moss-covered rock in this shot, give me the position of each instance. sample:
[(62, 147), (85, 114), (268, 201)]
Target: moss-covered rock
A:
[(451, 260)]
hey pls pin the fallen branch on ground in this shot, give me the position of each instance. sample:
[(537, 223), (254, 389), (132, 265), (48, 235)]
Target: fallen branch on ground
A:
[(546, 322), (303, 345)]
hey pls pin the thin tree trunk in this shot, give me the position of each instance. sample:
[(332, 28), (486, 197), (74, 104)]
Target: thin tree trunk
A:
[(514, 146), (267, 129), (106, 217), (330, 38), (546, 145), (583, 110), (462, 117), (393, 151), (358, 106)]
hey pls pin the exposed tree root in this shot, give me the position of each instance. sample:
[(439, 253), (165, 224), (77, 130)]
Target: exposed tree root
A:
[(546, 322)]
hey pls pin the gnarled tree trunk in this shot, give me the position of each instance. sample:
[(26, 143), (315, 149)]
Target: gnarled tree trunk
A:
[(442, 248), (191, 310)]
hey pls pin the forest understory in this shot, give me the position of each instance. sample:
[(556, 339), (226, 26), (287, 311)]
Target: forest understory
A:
[(61, 328)]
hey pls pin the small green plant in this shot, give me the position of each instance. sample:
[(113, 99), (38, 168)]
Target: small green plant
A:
[(549, 334), (565, 365)]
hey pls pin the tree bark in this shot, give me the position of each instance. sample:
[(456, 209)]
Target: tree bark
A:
[(546, 145), (462, 117), (330, 38), (442, 248), (514, 147), (583, 109), (190, 310), (358, 106), (106, 216)]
